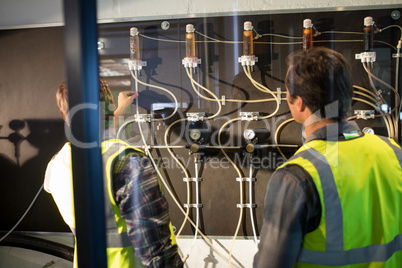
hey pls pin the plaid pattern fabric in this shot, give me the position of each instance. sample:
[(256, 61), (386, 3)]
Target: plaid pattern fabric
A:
[(145, 210)]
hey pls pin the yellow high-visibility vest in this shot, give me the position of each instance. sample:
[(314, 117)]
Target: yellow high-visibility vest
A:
[(360, 191), (58, 182)]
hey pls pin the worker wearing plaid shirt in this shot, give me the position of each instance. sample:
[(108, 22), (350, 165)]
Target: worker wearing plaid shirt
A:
[(135, 191)]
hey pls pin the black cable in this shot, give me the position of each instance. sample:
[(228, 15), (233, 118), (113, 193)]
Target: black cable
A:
[(39, 244)]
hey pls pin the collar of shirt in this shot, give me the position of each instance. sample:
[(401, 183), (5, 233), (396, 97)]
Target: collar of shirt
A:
[(336, 132)]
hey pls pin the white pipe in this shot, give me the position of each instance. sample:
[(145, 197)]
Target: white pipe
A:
[(197, 202), (250, 188), (240, 174)]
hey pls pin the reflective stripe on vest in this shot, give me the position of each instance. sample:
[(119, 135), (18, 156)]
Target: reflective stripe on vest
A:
[(397, 150), (334, 254), (116, 240)]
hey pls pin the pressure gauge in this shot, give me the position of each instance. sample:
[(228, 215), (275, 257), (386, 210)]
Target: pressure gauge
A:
[(195, 134), (368, 130), (249, 134)]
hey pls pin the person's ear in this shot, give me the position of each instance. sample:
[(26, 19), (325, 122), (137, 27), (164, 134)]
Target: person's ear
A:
[(300, 104)]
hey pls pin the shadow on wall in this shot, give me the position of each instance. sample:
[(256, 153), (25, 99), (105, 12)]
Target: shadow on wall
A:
[(20, 183)]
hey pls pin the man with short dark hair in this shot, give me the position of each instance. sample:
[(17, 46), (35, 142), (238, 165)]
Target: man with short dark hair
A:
[(337, 201), (138, 227)]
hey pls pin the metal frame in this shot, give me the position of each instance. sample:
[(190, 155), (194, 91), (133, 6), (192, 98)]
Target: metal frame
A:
[(81, 57)]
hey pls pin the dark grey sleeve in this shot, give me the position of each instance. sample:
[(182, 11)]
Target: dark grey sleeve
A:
[(292, 208)]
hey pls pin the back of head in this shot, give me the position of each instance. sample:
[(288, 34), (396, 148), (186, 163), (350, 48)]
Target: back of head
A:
[(322, 78), (105, 95)]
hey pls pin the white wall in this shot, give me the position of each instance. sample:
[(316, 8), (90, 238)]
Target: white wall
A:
[(39, 13)]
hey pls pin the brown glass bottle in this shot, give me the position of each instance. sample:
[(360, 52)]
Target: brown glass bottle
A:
[(190, 41), (134, 44), (248, 49), (368, 31), (307, 34)]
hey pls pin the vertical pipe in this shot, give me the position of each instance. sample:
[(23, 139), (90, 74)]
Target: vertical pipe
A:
[(81, 59)]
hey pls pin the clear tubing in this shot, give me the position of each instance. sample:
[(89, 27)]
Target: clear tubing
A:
[(134, 44)]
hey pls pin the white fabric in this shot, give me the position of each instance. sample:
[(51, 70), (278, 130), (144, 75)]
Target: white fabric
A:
[(58, 182)]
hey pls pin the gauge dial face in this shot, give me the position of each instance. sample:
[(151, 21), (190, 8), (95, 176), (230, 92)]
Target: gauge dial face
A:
[(195, 134), (249, 134), (368, 130)]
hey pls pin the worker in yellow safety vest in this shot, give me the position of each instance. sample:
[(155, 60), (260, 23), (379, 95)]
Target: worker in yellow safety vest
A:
[(138, 228), (338, 201)]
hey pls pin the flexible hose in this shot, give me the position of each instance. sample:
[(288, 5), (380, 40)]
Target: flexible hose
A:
[(163, 89), (263, 89), (398, 98), (185, 171), (215, 98), (148, 153), (277, 134), (240, 174), (23, 216), (393, 120), (171, 193), (386, 117), (39, 244)]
